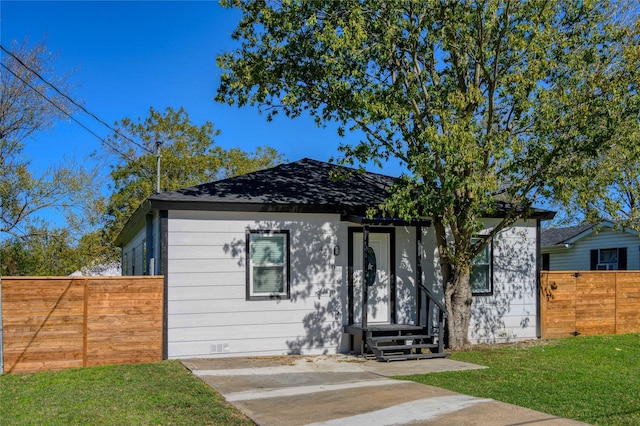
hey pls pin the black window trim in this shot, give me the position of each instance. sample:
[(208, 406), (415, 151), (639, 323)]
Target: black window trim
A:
[(621, 264), (491, 286), (287, 293)]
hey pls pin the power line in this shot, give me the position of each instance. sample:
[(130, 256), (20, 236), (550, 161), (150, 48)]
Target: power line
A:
[(63, 111), (72, 101)]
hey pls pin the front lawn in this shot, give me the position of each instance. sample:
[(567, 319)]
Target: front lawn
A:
[(163, 393), (592, 379)]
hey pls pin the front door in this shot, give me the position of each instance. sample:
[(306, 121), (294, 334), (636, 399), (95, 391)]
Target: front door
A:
[(379, 290)]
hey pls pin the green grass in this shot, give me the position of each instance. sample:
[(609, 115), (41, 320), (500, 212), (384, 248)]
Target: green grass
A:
[(163, 393), (592, 379)]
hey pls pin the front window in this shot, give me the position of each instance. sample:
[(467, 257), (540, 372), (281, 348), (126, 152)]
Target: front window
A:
[(267, 265), (481, 272)]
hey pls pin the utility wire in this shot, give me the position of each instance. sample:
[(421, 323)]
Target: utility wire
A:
[(63, 111), (72, 101)]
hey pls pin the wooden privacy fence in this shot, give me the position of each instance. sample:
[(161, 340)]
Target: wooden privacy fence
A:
[(589, 303), (52, 323)]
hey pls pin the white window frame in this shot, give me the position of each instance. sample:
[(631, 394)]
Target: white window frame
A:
[(608, 265), (251, 294)]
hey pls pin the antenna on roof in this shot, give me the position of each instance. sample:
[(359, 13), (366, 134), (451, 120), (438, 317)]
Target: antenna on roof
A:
[(158, 147)]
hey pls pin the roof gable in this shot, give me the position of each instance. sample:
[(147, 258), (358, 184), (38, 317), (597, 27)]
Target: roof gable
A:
[(554, 236), (571, 234)]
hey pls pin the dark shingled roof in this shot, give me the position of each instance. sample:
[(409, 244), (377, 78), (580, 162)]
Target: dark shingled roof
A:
[(304, 186), (554, 236), (305, 183)]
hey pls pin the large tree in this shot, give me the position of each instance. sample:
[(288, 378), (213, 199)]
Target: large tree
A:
[(32, 99), (483, 102), (188, 156)]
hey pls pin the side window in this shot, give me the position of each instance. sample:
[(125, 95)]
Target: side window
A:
[(145, 266), (125, 263), (482, 271), (267, 265), (133, 261)]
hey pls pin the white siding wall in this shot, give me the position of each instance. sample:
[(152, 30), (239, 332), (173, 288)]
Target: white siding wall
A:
[(208, 312), (511, 312), (132, 254), (578, 257), (405, 275)]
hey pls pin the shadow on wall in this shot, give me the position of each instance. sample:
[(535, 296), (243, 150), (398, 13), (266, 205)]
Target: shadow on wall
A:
[(514, 290), (431, 279), (405, 276), (316, 281)]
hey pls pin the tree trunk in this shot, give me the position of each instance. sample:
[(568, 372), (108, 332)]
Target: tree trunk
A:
[(457, 289), (458, 300)]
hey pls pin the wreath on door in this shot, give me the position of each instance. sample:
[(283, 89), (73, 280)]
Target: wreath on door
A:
[(372, 267)]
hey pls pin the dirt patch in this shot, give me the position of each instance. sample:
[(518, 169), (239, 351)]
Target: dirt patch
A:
[(486, 347)]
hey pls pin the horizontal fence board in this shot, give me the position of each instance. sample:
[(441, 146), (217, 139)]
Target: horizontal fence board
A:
[(127, 310), (51, 332), (124, 303), (628, 312), (51, 365), (123, 322), (44, 356), (589, 303), (40, 307), (49, 325), (98, 297)]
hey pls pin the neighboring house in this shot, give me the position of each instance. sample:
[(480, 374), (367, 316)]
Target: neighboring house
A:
[(590, 247), (271, 263), (112, 269)]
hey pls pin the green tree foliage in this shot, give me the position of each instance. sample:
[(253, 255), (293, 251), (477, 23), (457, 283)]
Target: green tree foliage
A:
[(189, 157), (482, 102), (611, 189), (45, 252), (52, 252), (29, 105)]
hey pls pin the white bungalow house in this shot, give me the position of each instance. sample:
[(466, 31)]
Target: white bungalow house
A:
[(590, 247), (271, 262)]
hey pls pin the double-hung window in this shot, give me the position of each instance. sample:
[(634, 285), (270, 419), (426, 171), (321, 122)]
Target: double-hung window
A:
[(482, 271), (267, 265), (609, 259)]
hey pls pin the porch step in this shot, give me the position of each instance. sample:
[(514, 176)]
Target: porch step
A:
[(389, 342), (401, 337), (403, 357), (385, 348), (400, 342)]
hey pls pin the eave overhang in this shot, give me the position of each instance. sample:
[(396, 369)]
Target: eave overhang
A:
[(385, 221)]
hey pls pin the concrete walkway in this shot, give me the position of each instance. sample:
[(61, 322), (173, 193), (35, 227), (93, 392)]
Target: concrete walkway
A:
[(344, 390)]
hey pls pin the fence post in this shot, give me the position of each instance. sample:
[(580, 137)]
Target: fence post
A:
[(85, 321), (1, 341), (542, 297)]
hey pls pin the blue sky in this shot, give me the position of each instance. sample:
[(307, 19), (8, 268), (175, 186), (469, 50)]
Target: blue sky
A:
[(125, 57)]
